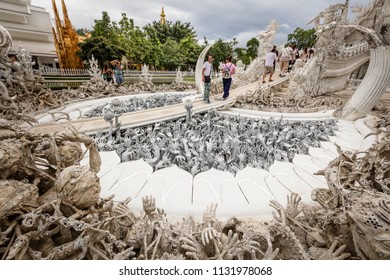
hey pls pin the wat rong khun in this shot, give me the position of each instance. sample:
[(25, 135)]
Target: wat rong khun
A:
[(298, 168)]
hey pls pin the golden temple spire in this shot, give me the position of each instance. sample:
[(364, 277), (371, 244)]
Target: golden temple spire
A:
[(57, 35), (65, 39), (65, 13), (162, 16)]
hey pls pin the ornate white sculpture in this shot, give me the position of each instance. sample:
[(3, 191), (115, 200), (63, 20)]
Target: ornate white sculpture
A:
[(266, 42), (179, 76), (6, 102), (341, 47), (198, 70), (145, 77), (94, 70)]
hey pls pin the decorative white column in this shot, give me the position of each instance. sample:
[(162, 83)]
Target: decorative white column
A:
[(198, 69), (371, 89)]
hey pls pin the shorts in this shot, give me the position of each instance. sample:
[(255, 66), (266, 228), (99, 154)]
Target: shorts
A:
[(269, 69), (284, 58)]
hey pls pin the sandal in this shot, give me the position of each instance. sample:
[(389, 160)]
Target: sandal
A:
[(271, 80)]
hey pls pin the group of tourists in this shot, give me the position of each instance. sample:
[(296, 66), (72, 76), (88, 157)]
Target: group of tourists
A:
[(227, 70), (286, 59), (113, 74)]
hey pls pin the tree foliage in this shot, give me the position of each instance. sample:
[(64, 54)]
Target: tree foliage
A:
[(242, 54), (189, 51), (175, 31), (252, 46), (246, 55), (221, 49), (103, 50), (172, 57), (166, 46), (105, 28), (82, 31), (302, 38)]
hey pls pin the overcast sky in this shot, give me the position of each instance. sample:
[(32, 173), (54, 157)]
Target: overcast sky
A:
[(213, 19)]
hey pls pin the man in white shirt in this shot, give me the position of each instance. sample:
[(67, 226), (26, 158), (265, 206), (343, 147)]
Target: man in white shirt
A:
[(206, 78), (269, 60)]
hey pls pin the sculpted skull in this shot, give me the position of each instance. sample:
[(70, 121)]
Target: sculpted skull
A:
[(79, 186)]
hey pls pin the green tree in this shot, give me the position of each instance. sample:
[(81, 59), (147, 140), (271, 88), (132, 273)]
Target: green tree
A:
[(105, 28), (171, 55), (302, 38), (179, 31), (101, 49), (189, 51), (242, 54), (154, 57), (175, 31), (82, 31), (124, 33), (162, 30), (169, 45), (251, 48), (126, 25), (140, 48), (220, 50)]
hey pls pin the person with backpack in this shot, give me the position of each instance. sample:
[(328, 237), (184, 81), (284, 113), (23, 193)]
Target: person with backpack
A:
[(228, 70)]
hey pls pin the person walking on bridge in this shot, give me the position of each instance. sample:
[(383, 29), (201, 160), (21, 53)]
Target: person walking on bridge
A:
[(228, 70), (269, 61), (206, 78)]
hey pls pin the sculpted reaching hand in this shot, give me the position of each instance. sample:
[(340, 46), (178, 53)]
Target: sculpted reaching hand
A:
[(292, 208), (149, 205), (335, 254), (193, 248), (280, 216)]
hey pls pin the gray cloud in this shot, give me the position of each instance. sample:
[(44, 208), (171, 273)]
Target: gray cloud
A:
[(210, 18)]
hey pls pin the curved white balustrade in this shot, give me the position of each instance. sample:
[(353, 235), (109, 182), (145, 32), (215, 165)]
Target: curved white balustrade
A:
[(373, 86)]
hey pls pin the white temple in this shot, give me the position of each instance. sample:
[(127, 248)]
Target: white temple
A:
[(31, 26)]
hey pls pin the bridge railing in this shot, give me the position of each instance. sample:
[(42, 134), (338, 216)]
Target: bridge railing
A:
[(48, 71), (70, 77), (351, 50)]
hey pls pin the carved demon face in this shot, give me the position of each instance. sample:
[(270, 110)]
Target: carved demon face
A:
[(69, 153)]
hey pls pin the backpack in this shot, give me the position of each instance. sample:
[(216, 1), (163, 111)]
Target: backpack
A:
[(226, 72), (297, 54)]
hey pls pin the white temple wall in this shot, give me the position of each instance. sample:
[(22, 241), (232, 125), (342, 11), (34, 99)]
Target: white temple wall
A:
[(29, 25)]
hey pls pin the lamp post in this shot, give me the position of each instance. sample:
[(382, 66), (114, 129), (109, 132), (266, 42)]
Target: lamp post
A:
[(188, 106), (108, 116), (115, 104), (111, 114)]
